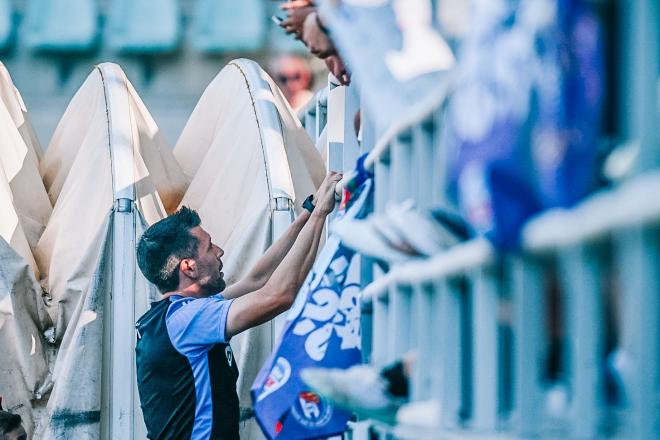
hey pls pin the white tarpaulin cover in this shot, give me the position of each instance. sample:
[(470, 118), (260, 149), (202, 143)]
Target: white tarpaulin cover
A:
[(75, 249), (244, 147), (24, 209), (20, 161), (77, 172)]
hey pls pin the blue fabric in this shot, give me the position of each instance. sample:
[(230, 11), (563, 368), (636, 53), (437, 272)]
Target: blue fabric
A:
[(194, 326), (371, 39), (524, 119), (322, 330)]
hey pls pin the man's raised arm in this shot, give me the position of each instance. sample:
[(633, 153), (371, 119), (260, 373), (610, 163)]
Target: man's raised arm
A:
[(279, 292), (264, 268)]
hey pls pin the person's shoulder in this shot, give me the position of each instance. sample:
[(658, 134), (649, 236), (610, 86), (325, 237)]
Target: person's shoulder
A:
[(181, 303), (153, 311)]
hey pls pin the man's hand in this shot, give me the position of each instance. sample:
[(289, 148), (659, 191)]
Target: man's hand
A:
[(315, 39), (279, 292), (336, 66), (325, 196), (298, 11)]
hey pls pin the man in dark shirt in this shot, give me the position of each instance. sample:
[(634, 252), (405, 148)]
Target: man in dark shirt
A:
[(185, 367)]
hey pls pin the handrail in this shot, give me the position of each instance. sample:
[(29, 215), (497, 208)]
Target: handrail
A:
[(597, 216), (455, 261)]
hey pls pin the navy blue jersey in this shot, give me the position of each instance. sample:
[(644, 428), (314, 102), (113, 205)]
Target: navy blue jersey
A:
[(186, 370)]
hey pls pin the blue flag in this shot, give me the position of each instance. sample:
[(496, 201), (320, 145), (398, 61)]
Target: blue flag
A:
[(322, 330), (533, 70)]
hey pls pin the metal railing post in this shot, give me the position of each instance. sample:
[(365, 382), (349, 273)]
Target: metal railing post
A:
[(638, 257), (282, 217), (640, 72), (451, 348), (584, 305), (399, 339), (423, 165), (528, 309), (485, 349), (401, 166), (123, 419)]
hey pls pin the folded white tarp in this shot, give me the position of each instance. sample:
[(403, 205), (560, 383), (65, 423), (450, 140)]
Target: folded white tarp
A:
[(20, 152), (24, 210), (77, 170), (250, 162), (109, 174)]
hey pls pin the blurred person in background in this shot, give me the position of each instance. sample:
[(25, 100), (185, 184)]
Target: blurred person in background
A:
[(293, 76)]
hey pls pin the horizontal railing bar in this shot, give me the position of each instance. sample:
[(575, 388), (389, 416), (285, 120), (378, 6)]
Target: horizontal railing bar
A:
[(635, 203), (455, 261), (593, 219)]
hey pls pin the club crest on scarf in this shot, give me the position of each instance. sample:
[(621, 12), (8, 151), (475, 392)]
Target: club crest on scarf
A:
[(322, 330)]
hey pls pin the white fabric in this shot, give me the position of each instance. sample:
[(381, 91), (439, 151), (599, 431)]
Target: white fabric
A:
[(77, 172), (75, 251), (244, 146), (19, 152), (13, 101), (23, 367), (24, 209)]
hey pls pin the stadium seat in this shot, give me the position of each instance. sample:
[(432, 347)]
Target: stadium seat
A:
[(144, 26), (5, 23), (61, 25), (225, 25)]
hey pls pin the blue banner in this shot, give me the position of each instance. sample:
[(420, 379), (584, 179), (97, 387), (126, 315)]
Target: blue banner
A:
[(524, 118), (322, 330)]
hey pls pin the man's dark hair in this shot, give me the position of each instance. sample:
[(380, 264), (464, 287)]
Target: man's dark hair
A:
[(9, 422), (164, 244)]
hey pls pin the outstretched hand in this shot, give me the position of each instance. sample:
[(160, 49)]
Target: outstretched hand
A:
[(325, 196), (297, 12), (318, 42), (336, 66)]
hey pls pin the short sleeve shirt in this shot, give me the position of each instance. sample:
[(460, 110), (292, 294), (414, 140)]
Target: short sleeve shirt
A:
[(186, 370)]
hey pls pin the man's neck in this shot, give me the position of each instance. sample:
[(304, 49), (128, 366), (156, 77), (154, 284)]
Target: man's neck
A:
[(191, 291)]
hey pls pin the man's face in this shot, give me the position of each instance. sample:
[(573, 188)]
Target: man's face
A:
[(17, 434), (209, 265)]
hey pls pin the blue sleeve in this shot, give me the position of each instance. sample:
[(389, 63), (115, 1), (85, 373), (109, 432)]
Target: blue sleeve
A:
[(195, 324)]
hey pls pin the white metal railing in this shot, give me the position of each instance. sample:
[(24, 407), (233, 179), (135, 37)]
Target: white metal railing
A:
[(479, 321), (122, 417)]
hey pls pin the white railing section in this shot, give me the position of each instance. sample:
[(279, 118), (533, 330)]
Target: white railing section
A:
[(479, 322), (121, 413)]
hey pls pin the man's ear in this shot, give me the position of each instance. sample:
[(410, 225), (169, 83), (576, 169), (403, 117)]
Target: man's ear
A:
[(188, 267)]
